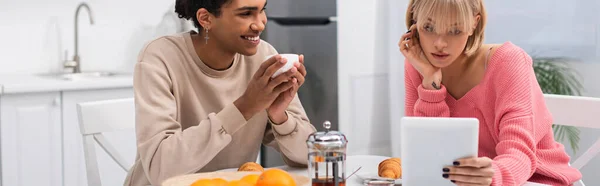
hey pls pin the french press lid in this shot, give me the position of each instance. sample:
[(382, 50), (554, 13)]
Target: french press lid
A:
[(327, 140)]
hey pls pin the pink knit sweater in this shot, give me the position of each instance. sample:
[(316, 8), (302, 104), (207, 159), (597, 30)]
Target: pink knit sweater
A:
[(515, 126)]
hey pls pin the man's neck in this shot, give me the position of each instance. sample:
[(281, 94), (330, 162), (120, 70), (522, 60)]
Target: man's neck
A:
[(212, 54)]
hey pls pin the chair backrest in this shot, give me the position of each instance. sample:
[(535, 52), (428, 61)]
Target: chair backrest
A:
[(576, 111), (98, 117)]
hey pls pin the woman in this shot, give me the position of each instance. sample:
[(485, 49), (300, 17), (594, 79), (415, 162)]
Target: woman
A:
[(205, 101), (450, 73)]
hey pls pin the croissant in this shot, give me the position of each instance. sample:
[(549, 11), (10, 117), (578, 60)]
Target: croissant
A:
[(251, 166), (390, 168), (397, 160)]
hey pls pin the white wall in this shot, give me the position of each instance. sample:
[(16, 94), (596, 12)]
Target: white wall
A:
[(396, 11), (35, 34), (362, 76)]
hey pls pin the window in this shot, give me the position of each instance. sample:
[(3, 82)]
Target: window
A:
[(549, 28)]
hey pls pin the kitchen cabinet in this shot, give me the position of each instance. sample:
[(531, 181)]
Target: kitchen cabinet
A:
[(40, 140), (31, 140)]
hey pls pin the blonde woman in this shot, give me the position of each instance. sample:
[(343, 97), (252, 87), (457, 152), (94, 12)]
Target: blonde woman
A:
[(450, 73)]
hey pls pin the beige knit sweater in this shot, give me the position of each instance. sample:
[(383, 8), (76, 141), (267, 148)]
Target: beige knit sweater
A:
[(186, 121)]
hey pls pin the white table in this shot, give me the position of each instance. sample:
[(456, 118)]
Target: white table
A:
[(369, 164)]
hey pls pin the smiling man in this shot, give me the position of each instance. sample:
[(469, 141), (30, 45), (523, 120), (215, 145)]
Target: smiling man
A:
[(206, 101)]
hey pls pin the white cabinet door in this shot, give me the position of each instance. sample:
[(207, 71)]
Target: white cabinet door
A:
[(31, 139), (74, 165)]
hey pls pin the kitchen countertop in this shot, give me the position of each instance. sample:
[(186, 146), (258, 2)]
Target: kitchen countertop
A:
[(14, 84)]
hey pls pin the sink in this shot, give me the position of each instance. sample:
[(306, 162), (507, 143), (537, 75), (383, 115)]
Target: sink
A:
[(84, 75)]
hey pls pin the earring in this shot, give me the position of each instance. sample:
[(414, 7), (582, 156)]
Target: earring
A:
[(206, 36)]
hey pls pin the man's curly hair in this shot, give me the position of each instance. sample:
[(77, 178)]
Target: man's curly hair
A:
[(187, 9)]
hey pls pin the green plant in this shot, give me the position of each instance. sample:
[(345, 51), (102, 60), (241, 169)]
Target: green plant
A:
[(556, 77)]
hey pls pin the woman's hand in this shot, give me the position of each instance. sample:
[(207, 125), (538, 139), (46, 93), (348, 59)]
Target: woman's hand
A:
[(470, 172), (411, 49)]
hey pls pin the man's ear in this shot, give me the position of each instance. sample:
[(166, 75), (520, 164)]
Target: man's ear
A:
[(205, 18)]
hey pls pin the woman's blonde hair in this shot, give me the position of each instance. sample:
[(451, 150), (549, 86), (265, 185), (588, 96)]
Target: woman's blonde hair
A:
[(461, 12)]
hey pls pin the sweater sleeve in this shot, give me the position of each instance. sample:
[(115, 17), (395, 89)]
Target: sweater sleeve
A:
[(420, 101), (165, 149), (518, 123)]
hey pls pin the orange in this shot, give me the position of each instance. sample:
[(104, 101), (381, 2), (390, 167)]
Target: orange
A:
[(238, 183), (251, 179), (319, 159), (275, 177), (203, 182), (219, 182)]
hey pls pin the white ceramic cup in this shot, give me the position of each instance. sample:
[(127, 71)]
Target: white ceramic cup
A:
[(291, 59)]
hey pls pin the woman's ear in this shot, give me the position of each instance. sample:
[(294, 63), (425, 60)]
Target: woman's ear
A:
[(205, 18), (477, 18)]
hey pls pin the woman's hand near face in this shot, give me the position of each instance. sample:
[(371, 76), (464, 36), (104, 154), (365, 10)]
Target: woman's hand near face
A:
[(411, 49)]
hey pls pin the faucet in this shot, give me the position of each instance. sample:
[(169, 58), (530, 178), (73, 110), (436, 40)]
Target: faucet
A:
[(76, 63)]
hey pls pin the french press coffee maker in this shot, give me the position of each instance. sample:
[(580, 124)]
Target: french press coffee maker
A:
[(327, 157)]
